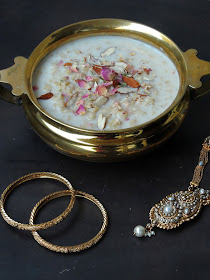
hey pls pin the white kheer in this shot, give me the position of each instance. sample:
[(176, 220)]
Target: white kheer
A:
[(105, 83)]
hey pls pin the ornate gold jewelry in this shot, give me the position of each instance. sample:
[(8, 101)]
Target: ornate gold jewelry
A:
[(69, 249), (29, 177), (181, 206)]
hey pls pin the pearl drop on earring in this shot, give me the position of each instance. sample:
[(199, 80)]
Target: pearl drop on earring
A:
[(139, 231)]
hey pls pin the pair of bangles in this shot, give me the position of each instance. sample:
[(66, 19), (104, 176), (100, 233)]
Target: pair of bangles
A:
[(35, 227), (169, 213)]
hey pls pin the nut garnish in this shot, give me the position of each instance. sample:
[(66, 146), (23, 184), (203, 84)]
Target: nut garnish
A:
[(100, 101), (101, 121), (108, 52)]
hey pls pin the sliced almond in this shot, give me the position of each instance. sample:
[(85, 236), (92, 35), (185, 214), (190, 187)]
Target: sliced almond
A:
[(101, 100), (125, 90), (147, 79), (101, 121), (146, 91), (116, 122), (118, 69), (121, 64), (107, 52), (94, 86)]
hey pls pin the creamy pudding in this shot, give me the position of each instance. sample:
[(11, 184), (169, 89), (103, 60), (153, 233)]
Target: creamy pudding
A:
[(105, 83)]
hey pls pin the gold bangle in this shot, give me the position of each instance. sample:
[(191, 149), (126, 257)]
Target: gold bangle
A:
[(29, 177), (69, 249)]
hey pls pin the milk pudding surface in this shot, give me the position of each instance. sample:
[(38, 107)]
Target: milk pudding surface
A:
[(105, 83)]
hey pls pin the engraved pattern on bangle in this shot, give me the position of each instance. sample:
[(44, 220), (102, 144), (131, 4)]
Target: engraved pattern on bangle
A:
[(76, 248), (32, 176)]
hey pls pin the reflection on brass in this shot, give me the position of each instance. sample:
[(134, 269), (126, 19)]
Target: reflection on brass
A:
[(196, 67), (113, 145), (14, 76)]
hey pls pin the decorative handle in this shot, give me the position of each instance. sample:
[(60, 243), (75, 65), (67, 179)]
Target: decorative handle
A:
[(14, 76), (197, 68)]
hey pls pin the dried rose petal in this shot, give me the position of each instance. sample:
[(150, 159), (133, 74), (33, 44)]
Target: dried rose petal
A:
[(66, 100), (60, 63), (82, 83), (73, 69), (81, 110), (120, 76), (113, 91), (147, 70), (107, 74), (35, 87), (89, 78), (116, 82), (97, 69), (80, 102), (85, 96), (129, 68), (101, 90), (46, 96), (107, 84)]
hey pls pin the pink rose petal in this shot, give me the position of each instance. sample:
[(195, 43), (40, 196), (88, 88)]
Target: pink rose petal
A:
[(80, 102), (60, 63), (89, 78), (120, 76), (101, 90), (82, 83), (66, 98), (113, 91), (81, 110), (147, 70), (107, 84), (129, 68), (85, 96), (107, 74), (73, 69)]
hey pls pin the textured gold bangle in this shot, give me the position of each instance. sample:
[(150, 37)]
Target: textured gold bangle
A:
[(29, 177), (69, 249)]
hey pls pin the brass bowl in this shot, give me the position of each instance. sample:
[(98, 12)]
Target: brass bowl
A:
[(115, 145)]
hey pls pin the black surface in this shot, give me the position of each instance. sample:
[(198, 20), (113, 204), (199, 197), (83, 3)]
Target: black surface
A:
[(127, 190)]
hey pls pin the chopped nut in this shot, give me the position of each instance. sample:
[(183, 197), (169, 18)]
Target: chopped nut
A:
[(116, 122), (108, 52), (125, 90), (101, 121), (146, 91), (101, 100), (147, 79)]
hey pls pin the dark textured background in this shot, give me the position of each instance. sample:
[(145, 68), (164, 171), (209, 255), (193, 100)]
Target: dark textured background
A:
[(127, 190)]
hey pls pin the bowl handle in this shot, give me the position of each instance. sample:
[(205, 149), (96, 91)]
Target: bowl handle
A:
[(197, 68), (14, 76)]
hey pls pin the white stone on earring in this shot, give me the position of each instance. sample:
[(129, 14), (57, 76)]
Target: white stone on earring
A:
[(187, 211), (139, 231), (202, 191), (171, 198), (167, 209)]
